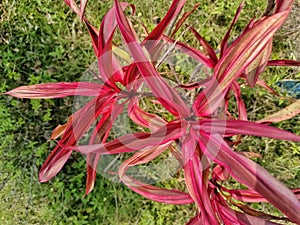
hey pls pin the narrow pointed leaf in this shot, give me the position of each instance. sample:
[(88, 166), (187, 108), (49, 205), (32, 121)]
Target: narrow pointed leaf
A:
[(100, 134), (57, 90), (181, 21), (258, 65), (91, 164), (133, 142), (283, 62), (192, 52), (80, 12), (196, 178), (243, 218), (208, 49), (225, 39), (284, 114), (233, 127), (145, 119), (239, 101), (157, 32), (196, 220), (83, 4), (60, 129), (109, 67), (237, 58), (252, 175), (247, 47), (157, 194), (282, 5), (149, 191), (247, 195), (81, 122), (168, 97)]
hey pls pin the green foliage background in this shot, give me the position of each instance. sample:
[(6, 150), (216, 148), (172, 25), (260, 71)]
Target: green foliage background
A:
[(43, 41)]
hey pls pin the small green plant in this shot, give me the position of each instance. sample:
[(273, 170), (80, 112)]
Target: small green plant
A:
[(191, 121)]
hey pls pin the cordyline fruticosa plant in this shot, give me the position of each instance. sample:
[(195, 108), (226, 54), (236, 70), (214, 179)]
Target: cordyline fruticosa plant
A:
[(198, 134)]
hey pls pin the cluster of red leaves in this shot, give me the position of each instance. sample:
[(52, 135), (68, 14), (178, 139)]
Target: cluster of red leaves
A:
[(197, 136)]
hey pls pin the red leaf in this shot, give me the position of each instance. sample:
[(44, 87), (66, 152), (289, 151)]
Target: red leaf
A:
[(282, 5), (258, 65), (208, 49), (239, 101), (173, 11), (197, 220), (237, 58), (53, 164), (283, 62), (154, 193), (80, 12), (242, 218), (91, 164), (247, 195), (252, 175), (227, 35), (142, 118), (183, 19), (109, 67), (168, 97), (79, 124), (57, 90), (192, 52), (83, 4), (196, 168), (284, 114), (220, 173), (157, 194), (233, 127), (133, 142), (247, 47)]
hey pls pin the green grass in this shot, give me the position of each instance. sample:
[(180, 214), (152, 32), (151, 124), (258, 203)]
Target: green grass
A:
[(43, 41)]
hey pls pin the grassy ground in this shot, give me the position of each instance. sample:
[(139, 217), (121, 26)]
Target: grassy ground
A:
[(42, 41)]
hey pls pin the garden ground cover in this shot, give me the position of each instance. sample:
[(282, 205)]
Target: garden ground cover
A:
[(43, 41)]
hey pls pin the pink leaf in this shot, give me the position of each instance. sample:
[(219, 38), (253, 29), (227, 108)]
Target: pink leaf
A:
[(149, 191), (79, 124), (239, 101), (168, 97), (247, 195), (133, 142), (227, 35), (157, 194), (196, 220), (237, 58), (242, 218), (284, 114), (283, 62), (282, 5), (258, 65), (208, 49), (192, 52), (57, 90), (183, 19), (252, 175), (83, 4), (109, 67), (142, 118), (173, 11), (233, 127), (80, 12), (196, 168), (91, 164)]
